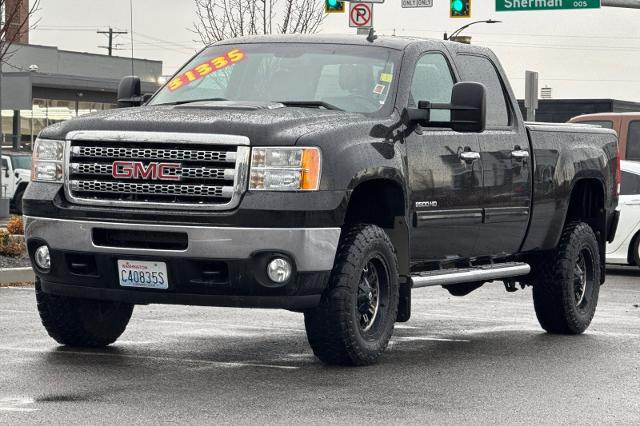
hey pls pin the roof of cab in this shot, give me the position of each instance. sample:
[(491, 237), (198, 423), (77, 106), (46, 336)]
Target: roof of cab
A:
[(391, 42)]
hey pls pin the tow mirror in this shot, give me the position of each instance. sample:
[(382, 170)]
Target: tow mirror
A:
[(130, 92), (468, 109)]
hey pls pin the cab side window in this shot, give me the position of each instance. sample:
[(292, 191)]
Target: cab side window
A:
[(5, 165), (630, 184), (633, 141), (433, 82), (481, 70)]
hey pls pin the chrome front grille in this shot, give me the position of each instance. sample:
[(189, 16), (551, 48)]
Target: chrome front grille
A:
[(156, 170), (153, 154)]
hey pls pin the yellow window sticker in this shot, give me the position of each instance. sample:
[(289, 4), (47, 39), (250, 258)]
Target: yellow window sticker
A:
[(386, 77)]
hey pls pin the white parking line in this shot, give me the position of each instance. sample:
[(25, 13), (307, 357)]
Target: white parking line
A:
[(425, 338), (17, 311), (221, 325), (17, 405), (223, 364)]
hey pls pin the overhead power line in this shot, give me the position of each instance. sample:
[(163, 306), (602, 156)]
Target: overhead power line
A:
[(111, 33)]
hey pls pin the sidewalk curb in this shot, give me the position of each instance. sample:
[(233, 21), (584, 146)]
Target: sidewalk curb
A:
[(16, 275)]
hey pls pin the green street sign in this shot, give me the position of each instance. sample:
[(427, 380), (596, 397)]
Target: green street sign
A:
[(526, 5)]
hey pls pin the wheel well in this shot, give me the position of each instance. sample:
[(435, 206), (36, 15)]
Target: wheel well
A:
[(587, 205), (381, 202), (377, 202)]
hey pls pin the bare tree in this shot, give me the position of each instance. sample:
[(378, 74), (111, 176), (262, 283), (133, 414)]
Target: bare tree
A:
[(222, 19), (14, 23)]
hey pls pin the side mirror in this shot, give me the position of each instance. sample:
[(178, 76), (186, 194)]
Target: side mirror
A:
[(130, 92), (468, 109), (6, 173), (16, 174)]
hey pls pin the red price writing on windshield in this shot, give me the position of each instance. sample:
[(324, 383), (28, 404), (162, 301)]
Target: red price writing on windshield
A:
[(206, 68)]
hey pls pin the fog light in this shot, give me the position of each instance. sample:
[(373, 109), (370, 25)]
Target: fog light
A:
[(279, 270), (42, 258)]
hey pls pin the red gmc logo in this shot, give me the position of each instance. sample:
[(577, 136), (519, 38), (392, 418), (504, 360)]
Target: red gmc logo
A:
[(151, 171)]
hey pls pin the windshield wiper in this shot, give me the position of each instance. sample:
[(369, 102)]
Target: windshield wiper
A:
[(196, 100), (311, 104)]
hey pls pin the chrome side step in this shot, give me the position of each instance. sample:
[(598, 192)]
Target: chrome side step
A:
[(470, 275)]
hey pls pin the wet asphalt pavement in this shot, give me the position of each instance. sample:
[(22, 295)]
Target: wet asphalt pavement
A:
[(479, 359)]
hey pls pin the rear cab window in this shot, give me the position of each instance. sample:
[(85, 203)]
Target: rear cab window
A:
[(630, 184), (633, 141), (481, 70)]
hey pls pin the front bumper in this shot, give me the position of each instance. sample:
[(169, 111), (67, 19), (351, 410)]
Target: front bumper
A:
[(217, 266)]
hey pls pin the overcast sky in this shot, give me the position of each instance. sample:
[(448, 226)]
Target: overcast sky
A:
[(581, 54)]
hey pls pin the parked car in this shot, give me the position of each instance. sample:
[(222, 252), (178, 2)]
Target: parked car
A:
[(327, 175), (16, 169), (625, 248), (627, 125)]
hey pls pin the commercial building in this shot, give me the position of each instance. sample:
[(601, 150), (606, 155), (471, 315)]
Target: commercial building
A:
[(42, 85)]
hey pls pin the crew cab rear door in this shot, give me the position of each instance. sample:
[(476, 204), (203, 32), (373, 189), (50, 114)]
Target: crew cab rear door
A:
[(506, 161), (445, 190)]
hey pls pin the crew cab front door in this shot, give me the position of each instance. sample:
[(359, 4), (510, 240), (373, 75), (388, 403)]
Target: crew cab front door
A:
[(445, 173)]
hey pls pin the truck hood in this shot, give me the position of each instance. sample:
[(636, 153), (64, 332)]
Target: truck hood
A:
[(263, 124)]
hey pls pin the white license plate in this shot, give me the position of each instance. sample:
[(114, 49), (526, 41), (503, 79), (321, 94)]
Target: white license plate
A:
[(134, 273)]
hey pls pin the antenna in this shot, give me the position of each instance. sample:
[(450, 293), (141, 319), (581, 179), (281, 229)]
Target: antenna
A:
[(372, 35), (133, 72)]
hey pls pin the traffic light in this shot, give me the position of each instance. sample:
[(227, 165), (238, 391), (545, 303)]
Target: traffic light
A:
[(333, 6), (460, 9)]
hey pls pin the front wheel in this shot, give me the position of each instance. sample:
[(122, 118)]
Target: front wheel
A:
[(565, 294), (82, 322), (355, 319)]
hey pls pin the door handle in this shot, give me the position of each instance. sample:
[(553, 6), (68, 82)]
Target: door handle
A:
[(469, 156), (519, 154)]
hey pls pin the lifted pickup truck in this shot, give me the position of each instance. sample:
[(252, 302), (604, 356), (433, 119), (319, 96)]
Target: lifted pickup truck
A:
[(330, 176)]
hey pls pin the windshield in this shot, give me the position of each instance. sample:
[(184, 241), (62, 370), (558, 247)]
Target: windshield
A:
[(349, 78), (21, 162)]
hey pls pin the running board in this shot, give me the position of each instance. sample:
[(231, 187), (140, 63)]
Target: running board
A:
[(470, 275)]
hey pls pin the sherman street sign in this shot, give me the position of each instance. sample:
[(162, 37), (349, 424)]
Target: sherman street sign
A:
[(525, 5)]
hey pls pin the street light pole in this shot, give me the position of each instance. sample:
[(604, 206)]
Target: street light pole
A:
[(457, 32)]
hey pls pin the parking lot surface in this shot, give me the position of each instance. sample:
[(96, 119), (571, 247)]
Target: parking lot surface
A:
[(479, 359)]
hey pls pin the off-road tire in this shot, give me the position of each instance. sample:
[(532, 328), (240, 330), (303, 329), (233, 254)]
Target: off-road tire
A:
[(554, 291), (334, 328), (82, 322)]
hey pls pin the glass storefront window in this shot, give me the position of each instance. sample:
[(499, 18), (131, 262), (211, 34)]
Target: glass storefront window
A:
[(46, 112)]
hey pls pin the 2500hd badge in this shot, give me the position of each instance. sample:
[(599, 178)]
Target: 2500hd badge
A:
[(330, 176)]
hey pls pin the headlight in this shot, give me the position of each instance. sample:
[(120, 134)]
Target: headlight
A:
[(48, 160), (285, 169)]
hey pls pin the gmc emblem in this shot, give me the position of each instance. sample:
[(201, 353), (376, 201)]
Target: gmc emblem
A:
[(151, 171)]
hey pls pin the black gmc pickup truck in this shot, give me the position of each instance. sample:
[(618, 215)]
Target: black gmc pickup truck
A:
[(325, 175)]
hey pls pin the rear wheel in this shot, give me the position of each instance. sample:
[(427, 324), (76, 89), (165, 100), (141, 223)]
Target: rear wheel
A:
[(82, 322), (565, 294), (355, 319)]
